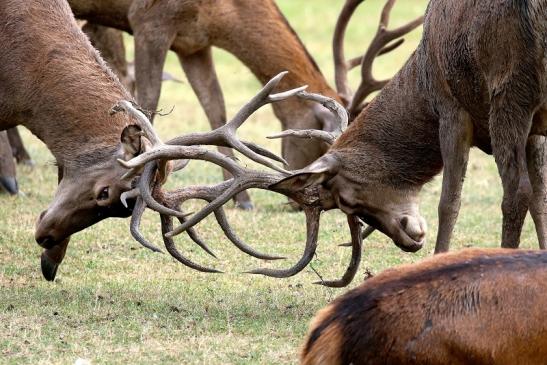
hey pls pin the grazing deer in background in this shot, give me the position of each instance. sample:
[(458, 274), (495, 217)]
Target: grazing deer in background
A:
[(467, 307), (55, 84), (478, 78), (109, 42), (8, 181), (254, 31), (19, 151)]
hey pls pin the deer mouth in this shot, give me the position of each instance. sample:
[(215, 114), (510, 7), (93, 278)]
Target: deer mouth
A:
[(407, 232)]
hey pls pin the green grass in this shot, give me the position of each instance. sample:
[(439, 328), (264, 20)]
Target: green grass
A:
[(115, 302)]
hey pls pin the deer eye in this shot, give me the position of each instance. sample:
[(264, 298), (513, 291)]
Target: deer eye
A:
[(103, 195)]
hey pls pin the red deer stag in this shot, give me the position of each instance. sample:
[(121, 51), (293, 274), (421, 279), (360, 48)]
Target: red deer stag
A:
[(467, 307), (464, 86), (55, 84), (254, 31), (8, 181)]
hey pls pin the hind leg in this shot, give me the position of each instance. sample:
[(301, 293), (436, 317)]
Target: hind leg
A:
[(509, 128), (537, 171)]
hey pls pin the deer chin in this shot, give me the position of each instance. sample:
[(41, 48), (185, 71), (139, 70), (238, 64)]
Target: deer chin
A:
[(407, 231)]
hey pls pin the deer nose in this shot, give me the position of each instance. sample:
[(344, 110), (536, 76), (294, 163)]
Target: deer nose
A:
[(46, 241)]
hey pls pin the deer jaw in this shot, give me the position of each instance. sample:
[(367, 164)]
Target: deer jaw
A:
[(394, 212)]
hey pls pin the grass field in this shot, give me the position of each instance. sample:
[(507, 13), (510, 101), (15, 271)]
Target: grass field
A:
[(115, 302)]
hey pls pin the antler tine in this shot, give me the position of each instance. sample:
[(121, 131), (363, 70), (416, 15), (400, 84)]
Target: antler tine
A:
[(356, 244), (134, 227), (341, 67), (379, 44), (366, 232), (197, 240), (166, 226), (329, 137), (312, 228)]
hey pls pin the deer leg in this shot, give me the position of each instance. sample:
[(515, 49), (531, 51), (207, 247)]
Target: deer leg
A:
[(200, 71), (8, 181), (19, 152), (150, 52), (455, 139), (509, 128), (537, 170)]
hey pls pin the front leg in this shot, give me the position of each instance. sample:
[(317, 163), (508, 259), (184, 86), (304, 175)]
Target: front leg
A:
[(19, 151), (509, 128), (200, 72), (455, 134)]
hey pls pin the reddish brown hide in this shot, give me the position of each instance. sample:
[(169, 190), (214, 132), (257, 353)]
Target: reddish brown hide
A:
[(55, 84), (469, 307)]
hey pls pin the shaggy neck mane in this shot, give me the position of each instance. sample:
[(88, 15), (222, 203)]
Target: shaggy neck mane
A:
[(400, 131)]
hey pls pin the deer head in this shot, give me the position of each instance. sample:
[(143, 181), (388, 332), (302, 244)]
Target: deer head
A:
[(89, 191)]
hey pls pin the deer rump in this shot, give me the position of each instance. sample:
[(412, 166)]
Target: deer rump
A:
[(469, 307)]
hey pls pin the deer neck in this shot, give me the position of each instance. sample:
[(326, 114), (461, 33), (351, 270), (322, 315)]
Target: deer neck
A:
[(64, 95), (397, 136)]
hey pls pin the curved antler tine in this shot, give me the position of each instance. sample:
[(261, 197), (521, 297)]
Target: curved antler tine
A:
[(220, 216), (340, 65), (356, 244), (264, 152), (208, 209), (312, 226), (286, 94), (338, 110), (131, 194), (354, 62), (138, 211), (142, 120), (255, 156), (144, 186), (197, 239), (366, 232), (166, 226)]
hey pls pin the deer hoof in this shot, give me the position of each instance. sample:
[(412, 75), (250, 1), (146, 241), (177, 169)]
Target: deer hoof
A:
[(9, 184)]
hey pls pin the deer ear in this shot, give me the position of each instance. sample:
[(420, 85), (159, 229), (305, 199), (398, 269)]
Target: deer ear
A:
[(131, 141), (319, 171)]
